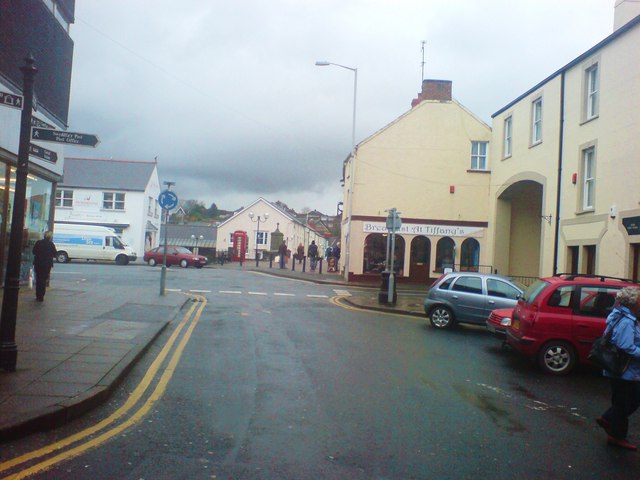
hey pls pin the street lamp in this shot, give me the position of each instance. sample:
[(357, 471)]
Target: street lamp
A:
[(196, 238), (258, 219), (351, 161)]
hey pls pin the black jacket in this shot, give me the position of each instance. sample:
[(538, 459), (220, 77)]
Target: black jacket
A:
[(44, 251)]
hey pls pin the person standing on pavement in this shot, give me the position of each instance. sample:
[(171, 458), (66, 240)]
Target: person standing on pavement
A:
[(44, 251), (282, 251), (625, 388), (313, 254), (336, 254)]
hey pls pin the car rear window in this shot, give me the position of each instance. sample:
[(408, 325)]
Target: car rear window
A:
[(533, 290)]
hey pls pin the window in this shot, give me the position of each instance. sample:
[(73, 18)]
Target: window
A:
[(561, 297), (469, 285), (261, 238), (150, 208), (588, 178), (508, 131), (536, 121), (113, 201), (597, 301), (445, 254), (498, 288), (479, 155), (592, 81), (470, 255), (64, 198)]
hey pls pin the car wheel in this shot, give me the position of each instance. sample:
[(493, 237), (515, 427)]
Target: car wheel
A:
[(441, 317), (62, 257), (122, 260), (557, 357), (152, 262), (184, 263)]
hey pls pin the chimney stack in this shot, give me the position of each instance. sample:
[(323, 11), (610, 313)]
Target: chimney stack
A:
[(438, 90)]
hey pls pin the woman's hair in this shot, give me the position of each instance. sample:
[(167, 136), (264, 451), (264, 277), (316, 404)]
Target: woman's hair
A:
[(48, 235), (628, 296)]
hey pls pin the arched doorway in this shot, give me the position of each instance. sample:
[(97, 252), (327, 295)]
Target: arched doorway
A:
[(518, 229), (445, 254), (470, 255), (375, 246), (420, 259)]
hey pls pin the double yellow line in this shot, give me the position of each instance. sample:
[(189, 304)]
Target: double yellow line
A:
[(109, 426)]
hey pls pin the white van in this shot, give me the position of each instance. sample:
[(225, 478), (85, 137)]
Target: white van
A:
[(90, 242)]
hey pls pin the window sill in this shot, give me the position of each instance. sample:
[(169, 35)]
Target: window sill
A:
[(590, 119), (539, 142), (507, 157), (585, 211), (472, 170)]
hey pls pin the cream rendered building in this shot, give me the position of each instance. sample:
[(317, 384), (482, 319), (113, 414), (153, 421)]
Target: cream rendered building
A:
[(565, 161), (431, 164)]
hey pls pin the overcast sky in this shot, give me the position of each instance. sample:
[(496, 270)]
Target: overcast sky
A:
[(226, 94)]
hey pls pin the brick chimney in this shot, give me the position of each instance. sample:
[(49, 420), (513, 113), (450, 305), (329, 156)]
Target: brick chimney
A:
[(438, 90)]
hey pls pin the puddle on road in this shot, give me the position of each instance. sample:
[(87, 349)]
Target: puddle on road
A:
[(489, 407)]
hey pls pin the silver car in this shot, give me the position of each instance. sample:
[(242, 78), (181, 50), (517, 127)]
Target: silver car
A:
[(469, 297)]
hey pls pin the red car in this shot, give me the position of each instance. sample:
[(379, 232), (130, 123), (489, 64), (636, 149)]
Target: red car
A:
[(499, 321), (175, 256), (558, 318)]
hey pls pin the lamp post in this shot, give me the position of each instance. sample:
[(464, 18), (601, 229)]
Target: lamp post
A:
[(352, 159), (196, 238), (258, 219)]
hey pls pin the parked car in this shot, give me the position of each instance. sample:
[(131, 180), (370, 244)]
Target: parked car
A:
[(499, 321), (558, 318), (467, 297), (175, 256)]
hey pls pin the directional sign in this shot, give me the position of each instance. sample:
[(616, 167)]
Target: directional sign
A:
[(168, 200), (11, 100), (43, 153), (60, 136)]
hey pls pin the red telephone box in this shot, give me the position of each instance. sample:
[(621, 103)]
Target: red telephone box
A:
[(239, 245)]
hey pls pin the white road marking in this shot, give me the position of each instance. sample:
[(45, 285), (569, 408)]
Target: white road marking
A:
[(230, 291), (200, 291), (342, 293), (257, 293), (317, 296), (285, 294), (173, 289)]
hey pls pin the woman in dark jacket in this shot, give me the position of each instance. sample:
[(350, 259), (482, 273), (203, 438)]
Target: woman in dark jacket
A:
[(625, 388), (44, 251)]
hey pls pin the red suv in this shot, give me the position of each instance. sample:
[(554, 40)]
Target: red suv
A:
[(558, 318)]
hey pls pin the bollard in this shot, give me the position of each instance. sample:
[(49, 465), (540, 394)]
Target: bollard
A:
[(320, 267), (271, 260), (304, 264), (293, 264)]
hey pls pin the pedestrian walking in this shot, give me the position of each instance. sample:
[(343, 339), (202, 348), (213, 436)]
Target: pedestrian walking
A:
[(44, 251), (336, 254), (282, 252), (313, 254), (328, 253), (625, 388), (300, 253)]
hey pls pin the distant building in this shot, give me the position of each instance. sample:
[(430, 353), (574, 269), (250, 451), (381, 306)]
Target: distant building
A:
[(120, 194), (199, 237), (294, 231), (41, 29)]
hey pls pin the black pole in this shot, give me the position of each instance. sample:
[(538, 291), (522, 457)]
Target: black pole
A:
[(8, 347)]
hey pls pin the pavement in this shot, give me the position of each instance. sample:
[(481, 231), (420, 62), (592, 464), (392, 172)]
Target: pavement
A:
[(76, 347)]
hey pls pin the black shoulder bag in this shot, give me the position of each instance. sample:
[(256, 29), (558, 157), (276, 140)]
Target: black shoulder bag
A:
[(606, 355)]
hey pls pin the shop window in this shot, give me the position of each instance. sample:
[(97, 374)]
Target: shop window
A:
[(470, 255), (375, 245), (445, 254)]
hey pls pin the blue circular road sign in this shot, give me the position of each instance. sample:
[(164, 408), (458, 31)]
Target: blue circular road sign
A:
[(168, 200)]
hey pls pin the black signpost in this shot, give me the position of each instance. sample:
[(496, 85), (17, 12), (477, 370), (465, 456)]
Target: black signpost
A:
[(43, 153), (11, 100)]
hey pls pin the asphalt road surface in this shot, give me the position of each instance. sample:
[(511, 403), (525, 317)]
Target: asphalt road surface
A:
[(271, 378)]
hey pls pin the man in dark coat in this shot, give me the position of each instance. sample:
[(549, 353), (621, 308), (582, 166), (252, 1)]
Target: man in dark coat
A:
[(44, 251)]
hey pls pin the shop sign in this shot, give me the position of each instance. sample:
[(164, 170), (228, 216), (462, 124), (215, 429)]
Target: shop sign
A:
[(632, 225), (420, 229)]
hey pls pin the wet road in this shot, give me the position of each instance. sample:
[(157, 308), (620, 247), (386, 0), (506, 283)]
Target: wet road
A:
[(277, 381)]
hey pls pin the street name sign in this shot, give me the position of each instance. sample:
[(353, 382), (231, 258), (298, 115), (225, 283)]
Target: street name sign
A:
[(11, 100), (60, 136), (43, 153)]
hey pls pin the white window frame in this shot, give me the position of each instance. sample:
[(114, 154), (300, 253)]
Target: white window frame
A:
[(479, 159), (588, 165), (508, 137), (64, 198), (592, 91), (113, 201), (150, 208), (536, 121), (262, 237)]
